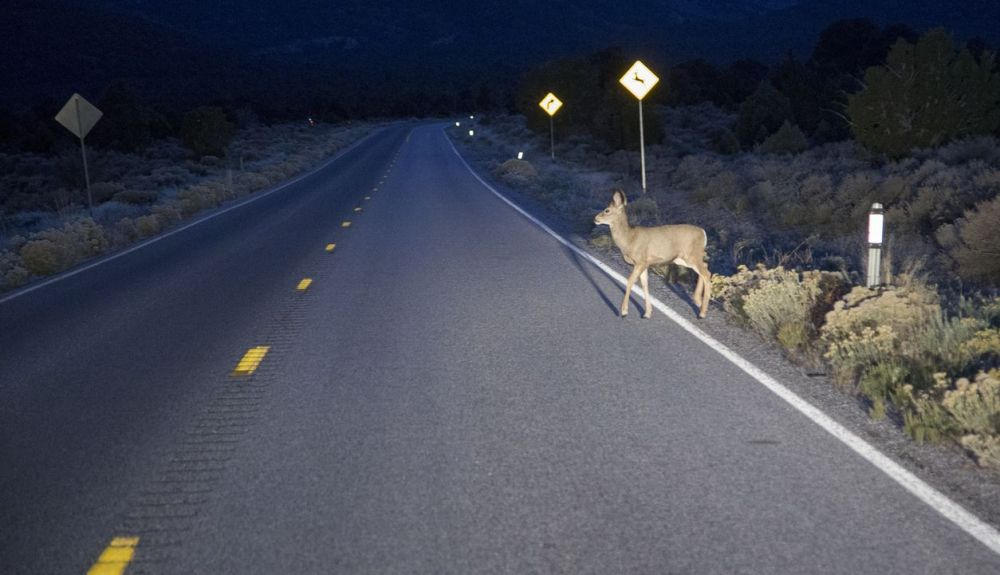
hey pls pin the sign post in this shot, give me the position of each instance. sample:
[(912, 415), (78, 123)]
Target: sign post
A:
[(551, 105), (79, 116), (640, 80)]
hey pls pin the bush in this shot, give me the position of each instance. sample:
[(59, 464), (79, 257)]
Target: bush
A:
[(136, 197), (516, 172), (206, 131), (924, 96), (762, 114), (968, 411), (972, 244), (780, 304), (12, 270), (789, 139)]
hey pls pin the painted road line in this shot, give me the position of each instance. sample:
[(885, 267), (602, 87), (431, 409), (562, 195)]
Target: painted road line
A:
[(331, 247), (345, 224), (357, 209), (958, 515), (251, 360), (304, 284), (116, 557), (367, 198)]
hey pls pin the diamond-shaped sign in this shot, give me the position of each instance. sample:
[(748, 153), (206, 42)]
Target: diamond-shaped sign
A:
[(550, 104), (79, 116), (639, 80)]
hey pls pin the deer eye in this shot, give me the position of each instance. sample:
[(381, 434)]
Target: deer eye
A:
[(607, 210)]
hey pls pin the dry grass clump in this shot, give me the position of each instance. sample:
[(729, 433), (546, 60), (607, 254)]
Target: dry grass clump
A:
[(516, 172), (54, 250)]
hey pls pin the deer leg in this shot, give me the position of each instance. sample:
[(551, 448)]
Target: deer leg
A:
[(644, 279), (628, 289), (705, 282)]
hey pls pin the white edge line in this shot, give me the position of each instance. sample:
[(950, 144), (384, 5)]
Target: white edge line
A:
[(968, 522), (195, 222)]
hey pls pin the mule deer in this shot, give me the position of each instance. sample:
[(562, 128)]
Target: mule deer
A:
[(642, 247)]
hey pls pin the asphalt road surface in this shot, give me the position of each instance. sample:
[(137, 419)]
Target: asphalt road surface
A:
[(452, 393)]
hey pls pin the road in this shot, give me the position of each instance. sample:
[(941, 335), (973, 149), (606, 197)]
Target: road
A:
[(453, 393)]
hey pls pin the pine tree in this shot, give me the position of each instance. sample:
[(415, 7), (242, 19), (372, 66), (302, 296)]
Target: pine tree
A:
[(925, 95)]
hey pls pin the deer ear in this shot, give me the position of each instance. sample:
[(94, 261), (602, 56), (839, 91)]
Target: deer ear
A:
[(619, 198)]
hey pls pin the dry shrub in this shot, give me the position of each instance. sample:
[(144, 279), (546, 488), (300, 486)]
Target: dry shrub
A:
[(973, 244), (12, 270), (146, 226), (968, 411), (869, 326), (782, 304), (201, 197), (54, 250), (516, 172), (136, 197)]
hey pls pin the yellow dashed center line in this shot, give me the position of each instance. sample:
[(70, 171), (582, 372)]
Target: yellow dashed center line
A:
[(345, 224), (251, 360), (331, 247), (304, 284), (116, 557)]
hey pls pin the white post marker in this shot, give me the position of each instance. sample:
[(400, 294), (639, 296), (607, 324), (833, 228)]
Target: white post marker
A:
[(551, 105), (876, 225), (640, 80), (79, 116)]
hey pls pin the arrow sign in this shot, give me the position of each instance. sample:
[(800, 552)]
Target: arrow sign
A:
[(79, 116), (550, 104), (639, 80)]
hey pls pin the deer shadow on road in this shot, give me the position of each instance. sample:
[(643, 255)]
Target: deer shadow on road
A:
[(588, 270)]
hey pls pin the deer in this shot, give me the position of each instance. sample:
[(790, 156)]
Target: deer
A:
[(643, 247)]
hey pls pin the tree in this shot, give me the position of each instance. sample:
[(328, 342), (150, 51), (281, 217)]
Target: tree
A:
[(762, 114), (126, 125), (925, 95), (694, 82), (206, 131)]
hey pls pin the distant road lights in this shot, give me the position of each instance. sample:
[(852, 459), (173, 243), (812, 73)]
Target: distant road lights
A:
[(520, 155), (876, 228), (457, 124), (640, 80), (472, 132), (551, 104)]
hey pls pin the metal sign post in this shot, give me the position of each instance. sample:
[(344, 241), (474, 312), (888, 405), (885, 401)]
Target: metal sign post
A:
[(640, 80), (79, 116), (551, 105)]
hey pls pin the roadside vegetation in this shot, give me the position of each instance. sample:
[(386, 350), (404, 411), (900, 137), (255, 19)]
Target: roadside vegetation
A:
[(142, 185), (784, 190)]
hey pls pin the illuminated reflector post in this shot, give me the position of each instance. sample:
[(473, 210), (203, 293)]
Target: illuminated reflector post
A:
[(551, 105), (876, 227), (640, 80)]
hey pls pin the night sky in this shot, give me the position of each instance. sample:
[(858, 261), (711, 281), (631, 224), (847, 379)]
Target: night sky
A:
[(197, 49)]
